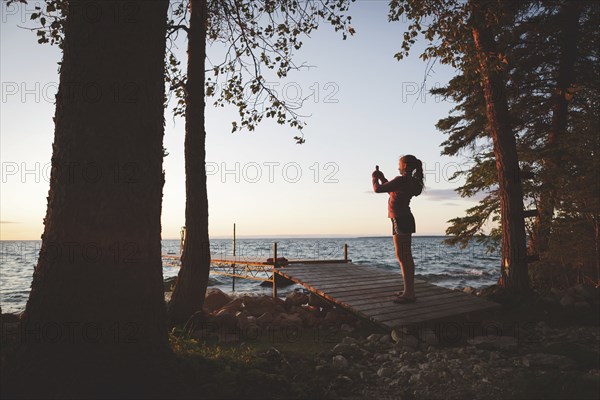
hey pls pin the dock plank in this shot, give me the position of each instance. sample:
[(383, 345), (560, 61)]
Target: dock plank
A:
[(368, 292)]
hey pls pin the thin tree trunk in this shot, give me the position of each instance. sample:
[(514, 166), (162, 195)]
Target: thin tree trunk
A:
[(568, 39), (189, 292), (514, 265), (95, 318)]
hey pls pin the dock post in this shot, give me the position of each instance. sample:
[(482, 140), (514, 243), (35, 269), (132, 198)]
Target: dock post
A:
[(346, 252), (274, 266), (233, 277), (234, 240)]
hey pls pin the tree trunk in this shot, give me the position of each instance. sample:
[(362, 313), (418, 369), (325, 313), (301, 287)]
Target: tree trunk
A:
[(514, 274), (568, 39), (188, 296), (95, 320)]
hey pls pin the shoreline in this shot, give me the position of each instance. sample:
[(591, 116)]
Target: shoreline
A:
[(542, 347)]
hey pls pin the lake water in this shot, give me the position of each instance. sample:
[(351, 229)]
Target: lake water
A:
[(447, 266)]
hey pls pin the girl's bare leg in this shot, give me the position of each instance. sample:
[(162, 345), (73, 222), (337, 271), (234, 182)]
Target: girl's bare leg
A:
[(402, 243)]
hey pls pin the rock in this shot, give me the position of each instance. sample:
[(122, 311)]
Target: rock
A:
[(251, 319), (343, 381), (548, 299), (242, 321), (324, 368), (478, 369), (408, 341), (287, 320), (233, 305), (296, 298), (586, 292), (224, 311), (215, 299), (335, 317), (415, 378), (258, 305), (428, 336), (199, 320), (494, 355), (346, 328), (385, 339), (264, 319), (345, 349), (374, 337), (340, 362), (469, 290), (349, 340), (567, 300), (317, 301), (494, 342), (309, 320), (384, 372), (544, 360), (225, 320)]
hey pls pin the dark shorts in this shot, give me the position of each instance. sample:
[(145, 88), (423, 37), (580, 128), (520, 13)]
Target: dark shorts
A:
[(403, 224)]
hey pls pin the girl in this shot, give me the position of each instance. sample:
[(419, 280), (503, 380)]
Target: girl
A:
[(401, 189)]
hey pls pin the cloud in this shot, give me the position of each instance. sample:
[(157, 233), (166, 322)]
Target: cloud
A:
[(450, 194), (441, 194), (451, 203)]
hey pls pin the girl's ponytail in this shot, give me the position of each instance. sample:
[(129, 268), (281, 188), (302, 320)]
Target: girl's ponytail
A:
[(418, 174), (415, 169)]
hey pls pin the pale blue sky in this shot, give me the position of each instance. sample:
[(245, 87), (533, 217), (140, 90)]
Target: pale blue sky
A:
[(367, 113)]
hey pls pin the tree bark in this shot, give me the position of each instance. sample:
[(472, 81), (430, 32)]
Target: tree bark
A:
[(568, 38), (514, 274), (190, 289), (95, 320)]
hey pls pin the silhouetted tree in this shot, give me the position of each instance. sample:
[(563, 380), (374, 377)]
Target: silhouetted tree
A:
[(95, 320), (259, 34)]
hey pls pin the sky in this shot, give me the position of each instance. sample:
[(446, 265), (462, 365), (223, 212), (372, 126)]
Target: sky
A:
[(364, 109)]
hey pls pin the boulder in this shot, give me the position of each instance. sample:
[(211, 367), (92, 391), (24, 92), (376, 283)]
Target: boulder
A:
[(317, 301), (428, 336), (340, 362), (335, 317), (345, 349), (258, 305), (234, 305), (587, 292), (225, 320), (374, 337), (469, 290), (385, 339), (242, 320), (215, 299), (287, 320), (567, 300), (264, 319), (384, 372), (296, 298)]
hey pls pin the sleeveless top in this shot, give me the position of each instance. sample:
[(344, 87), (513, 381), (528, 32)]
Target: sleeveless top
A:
[(401, 190)]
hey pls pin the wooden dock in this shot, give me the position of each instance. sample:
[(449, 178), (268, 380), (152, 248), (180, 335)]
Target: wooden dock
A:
[(368, 292)]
